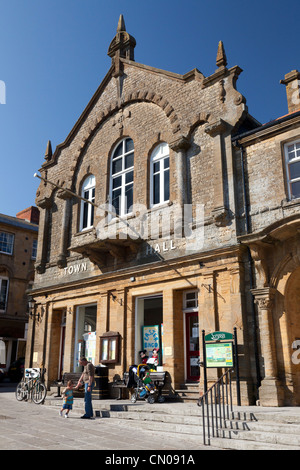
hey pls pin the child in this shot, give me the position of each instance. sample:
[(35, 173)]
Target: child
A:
[(148, 383), (68, 399)]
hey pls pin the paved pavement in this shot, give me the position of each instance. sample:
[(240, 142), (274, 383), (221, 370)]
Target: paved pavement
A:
[(27, 426)]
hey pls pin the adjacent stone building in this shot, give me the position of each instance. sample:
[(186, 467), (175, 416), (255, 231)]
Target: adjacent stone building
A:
[(18, 247), (169, 210)]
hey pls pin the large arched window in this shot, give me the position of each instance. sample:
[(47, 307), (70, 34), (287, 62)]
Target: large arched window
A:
[(87, 210), (121, 184), (160, 175)]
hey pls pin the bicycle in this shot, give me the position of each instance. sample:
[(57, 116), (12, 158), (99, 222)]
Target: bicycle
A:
[(32, 386)]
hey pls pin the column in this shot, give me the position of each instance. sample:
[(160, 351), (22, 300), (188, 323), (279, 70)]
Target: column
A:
[(271, 390), (173, 339), (179, 146), (208, 319), (220, 212), (66, 197), (41, 258), (69, 352)]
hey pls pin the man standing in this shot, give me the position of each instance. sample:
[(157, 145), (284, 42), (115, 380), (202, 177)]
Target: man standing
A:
[(87, 377)]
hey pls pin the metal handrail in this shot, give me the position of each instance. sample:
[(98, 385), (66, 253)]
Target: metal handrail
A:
[(217, 402)]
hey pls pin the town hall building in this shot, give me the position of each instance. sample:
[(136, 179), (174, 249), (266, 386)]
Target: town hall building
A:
[(169, 210)]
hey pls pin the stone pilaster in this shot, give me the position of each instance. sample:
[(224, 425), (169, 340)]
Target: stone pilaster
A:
[(220, 212), (62, 258), (271, 390), (45, 204)]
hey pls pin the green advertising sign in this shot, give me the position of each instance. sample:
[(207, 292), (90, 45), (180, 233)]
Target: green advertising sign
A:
[(219, 336), (219, 354)]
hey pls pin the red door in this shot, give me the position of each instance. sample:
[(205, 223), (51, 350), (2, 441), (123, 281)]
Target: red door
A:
[(192, 346)]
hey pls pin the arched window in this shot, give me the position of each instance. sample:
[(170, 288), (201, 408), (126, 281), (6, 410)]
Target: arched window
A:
[(121, 184), (3, 293), (160, 175), (87, 210)]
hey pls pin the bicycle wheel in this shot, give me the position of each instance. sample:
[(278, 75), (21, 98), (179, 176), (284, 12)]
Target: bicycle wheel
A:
[(39, 393), (20, 391)]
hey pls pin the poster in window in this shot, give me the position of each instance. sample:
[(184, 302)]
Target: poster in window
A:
[(151, 337), (104, 356)]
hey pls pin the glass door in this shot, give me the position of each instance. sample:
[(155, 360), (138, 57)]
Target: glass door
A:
[(192, 346)]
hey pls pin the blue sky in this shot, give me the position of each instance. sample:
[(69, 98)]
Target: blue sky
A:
[(53, 56)]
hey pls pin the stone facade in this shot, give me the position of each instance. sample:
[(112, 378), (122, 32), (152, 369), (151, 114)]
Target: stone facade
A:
[(17, 257), (206, 124)]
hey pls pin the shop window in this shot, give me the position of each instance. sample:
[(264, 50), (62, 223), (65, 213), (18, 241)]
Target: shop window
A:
[(87, 209), (6, 243), (3, 293), (160, 175), (292, 159), (121, 184)]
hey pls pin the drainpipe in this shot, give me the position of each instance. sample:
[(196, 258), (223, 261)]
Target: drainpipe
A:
[(250, 266)]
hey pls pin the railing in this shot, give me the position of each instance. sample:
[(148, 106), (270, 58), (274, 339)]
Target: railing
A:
[(217, 407)]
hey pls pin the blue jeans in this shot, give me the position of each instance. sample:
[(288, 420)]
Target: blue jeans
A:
[(88, 401)]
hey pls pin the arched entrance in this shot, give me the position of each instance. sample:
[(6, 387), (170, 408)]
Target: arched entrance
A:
[(292, 307)]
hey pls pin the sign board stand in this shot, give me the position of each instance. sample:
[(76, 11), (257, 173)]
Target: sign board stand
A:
[(220, 351)]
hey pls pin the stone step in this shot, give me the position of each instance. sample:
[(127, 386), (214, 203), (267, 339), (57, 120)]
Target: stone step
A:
[(270, 437), (235, 444), (188, 392), (249, 428), (174, 428)]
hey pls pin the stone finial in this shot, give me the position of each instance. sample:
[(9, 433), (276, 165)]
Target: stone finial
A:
[(292, 83), (122, 46), (121, 24), (48, 153), (221, 56)]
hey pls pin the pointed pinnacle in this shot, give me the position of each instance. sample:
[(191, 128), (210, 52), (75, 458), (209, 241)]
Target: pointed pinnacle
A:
[(121, 24), (48, 154), (221, 56)]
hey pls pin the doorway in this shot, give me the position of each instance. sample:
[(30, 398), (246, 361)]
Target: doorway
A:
[(192, 346), (85, 336), (149, 326)]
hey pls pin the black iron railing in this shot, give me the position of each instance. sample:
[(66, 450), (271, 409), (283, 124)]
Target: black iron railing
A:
[(217, 407)]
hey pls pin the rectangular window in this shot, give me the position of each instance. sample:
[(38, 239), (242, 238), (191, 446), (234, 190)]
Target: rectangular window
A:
[(292, 159), (34, 249), (3, 293), (6, 243), (190, 300)]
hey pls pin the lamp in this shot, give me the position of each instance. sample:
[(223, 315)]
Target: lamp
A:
[(31, 305)]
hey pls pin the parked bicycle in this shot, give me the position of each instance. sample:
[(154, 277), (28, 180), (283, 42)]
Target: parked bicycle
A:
[(32, 386)]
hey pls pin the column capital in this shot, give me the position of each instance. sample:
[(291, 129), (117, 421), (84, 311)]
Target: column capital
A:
[(264, 297), (44, 203), (181, 143), (216, 128), (64, 194)]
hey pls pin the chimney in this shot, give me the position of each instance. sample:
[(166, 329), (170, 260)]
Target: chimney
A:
[(292, 83), (31, 214)]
